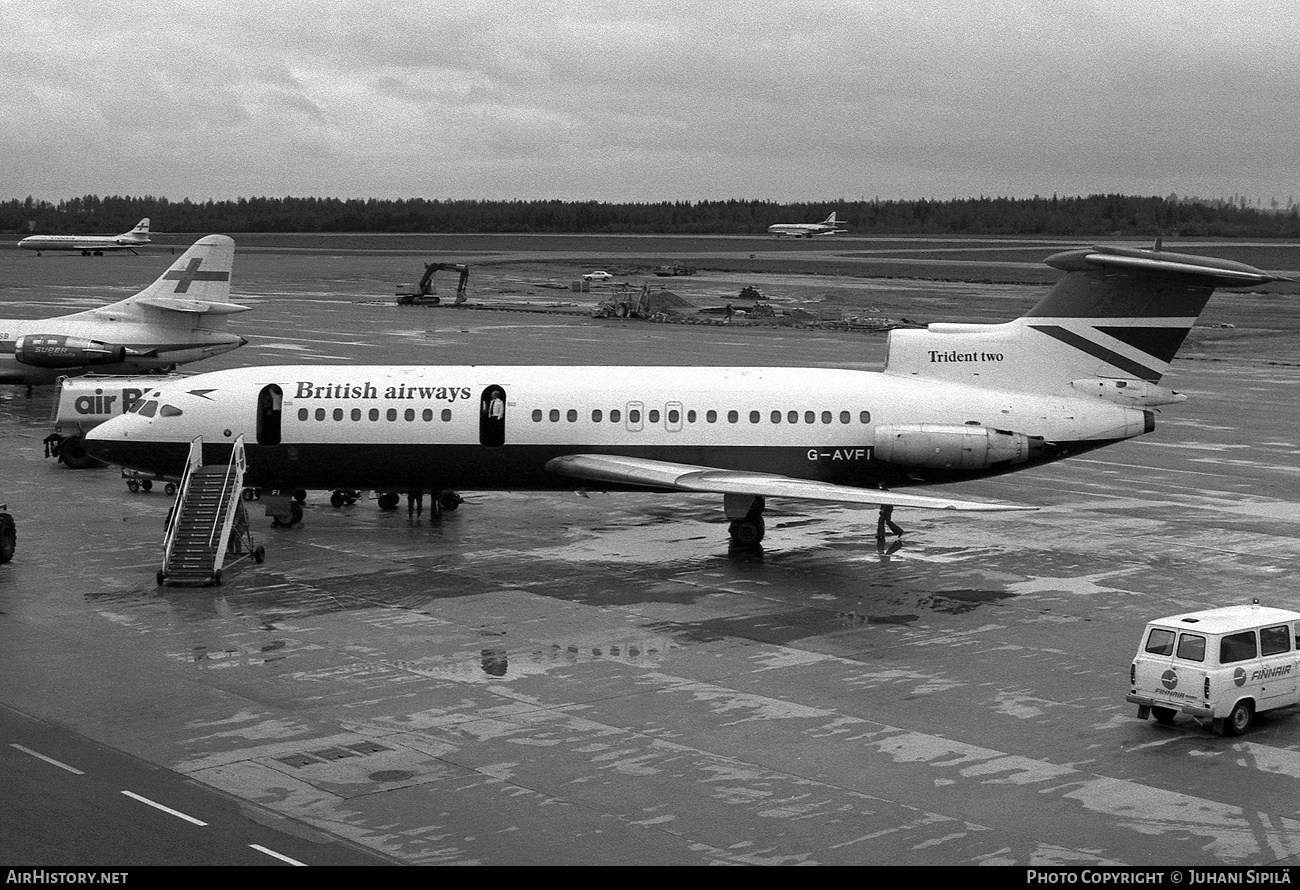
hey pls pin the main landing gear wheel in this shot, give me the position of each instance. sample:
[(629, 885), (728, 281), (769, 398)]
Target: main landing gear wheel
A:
[(747, 532), (294, 517), (389, 500), (449, 500)]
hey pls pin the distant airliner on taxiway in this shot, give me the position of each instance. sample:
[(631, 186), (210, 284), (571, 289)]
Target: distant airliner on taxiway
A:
[(828, 226), (89, 244)]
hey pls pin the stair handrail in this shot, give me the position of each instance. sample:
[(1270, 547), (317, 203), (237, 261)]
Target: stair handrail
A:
[(192, 463), (231, 484)]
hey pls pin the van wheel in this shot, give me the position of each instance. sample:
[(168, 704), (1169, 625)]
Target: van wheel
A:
[(1239, 719), (1163, 715)]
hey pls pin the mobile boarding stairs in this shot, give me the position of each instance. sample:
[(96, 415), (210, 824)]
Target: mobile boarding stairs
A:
[(208, 521)]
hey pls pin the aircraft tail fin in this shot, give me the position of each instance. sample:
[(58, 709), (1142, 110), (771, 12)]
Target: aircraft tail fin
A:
[(138, 235), (197, 283), (1115, 320), (830, 220)]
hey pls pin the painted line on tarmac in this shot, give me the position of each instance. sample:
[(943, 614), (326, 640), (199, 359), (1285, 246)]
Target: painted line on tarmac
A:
[(153, 803), (50, 760)]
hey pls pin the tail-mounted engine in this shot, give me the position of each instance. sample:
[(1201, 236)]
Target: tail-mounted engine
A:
[(57, 351), (956, 447)]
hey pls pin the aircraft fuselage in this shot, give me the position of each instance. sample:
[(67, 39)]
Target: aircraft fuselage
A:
[(85, 244), (399, 428), (126, 345)]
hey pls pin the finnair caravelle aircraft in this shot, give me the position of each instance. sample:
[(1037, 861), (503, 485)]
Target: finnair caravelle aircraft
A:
[(89, 244), (954, 402), (828, 226), (179, 318)]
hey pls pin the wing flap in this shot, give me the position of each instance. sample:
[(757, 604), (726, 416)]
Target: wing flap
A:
[(670, 476)]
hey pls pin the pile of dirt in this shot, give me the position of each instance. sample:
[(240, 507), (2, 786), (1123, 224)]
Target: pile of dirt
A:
[(667, 301)]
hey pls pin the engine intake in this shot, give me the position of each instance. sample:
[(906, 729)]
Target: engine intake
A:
[(954, 447), (57, 351)]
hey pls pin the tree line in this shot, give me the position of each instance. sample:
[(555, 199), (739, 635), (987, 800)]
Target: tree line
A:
[(1058, 216)]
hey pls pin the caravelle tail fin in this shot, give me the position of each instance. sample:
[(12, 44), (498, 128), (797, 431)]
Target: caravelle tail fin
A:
[(1111, 327), (138, 235), (197, 283), (830, 221)]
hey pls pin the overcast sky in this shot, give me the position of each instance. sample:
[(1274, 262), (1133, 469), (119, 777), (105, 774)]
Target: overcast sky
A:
[(628, 101)]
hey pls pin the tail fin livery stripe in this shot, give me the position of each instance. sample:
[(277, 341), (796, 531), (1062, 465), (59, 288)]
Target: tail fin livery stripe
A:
[(1159, 343), (1098, 351)]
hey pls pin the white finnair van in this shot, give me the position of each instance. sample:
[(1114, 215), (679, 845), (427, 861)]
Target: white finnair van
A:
[(1220, 665)]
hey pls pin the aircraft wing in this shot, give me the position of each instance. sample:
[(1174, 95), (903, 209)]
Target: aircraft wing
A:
[(197, 307), (668, 476)]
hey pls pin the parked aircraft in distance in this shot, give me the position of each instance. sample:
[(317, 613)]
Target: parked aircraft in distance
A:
[(954, 402), (179, 318), (828, 226), (89, 244)]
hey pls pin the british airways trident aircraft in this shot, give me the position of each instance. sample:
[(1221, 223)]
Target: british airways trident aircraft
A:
[(954, 402)]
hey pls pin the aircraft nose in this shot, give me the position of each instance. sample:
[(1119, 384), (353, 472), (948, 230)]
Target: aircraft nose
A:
[(106, 441)]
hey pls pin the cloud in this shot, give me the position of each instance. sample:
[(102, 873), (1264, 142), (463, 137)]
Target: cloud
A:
[(649, 101)]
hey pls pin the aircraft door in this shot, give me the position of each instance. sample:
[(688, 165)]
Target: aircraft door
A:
[(673, 417), (492, 417), (269, 403), (635, 414)]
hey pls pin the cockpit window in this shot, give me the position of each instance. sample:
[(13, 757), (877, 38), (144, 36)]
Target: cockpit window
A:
[(149, 408), (170, 411)]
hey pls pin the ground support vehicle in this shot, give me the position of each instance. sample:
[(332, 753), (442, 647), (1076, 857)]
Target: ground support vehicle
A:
[(8, 534), (141, 482), (84, 403), (1219, 666)]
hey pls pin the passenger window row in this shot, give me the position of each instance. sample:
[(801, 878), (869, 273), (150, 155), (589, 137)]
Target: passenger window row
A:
[(358, 414), (615, 415)]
